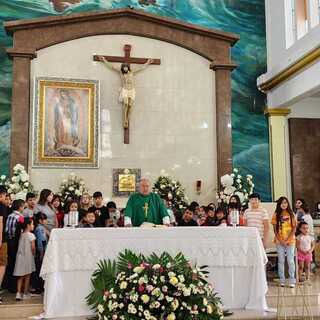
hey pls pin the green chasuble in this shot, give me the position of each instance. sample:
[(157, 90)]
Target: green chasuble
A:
[(148, 208)]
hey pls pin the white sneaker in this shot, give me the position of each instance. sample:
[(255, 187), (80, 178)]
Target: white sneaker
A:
[(26, 296), (292, 285), (35, 295), (19, 296), (39, 317)]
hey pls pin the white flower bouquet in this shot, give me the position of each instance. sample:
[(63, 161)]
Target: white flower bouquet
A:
[(235, 184), (152, 288), (19, 184), (73, 187)]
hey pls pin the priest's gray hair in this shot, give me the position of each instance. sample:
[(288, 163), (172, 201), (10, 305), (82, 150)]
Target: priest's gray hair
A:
[(144, 179)]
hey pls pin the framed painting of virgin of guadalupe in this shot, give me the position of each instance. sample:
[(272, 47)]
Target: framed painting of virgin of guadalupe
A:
[(66, 113)]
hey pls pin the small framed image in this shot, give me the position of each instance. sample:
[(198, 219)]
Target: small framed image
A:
[(125, 181), (66, 123)]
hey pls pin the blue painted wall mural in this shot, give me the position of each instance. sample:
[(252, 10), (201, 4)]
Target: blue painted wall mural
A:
[(245, 17)]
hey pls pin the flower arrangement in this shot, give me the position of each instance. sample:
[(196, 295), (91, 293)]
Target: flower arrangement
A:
[(172, 191), (72, 187), (235, 184), (19, 184), (3, 180), (152, 288)]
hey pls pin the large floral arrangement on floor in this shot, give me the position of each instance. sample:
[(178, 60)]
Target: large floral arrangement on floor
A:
[(19, 184), (152, 288), (235, 184), (72, 187), (172, 191)]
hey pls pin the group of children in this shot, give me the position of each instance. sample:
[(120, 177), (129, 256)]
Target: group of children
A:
[(25, 228), (293, 231)]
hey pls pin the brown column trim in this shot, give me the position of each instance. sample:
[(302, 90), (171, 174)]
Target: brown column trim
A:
[(23, 53), (223, 121), (223, 66), (12, 26), (20, 111)]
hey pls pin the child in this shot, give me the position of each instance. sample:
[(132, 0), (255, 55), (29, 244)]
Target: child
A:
[(301, 208), (85, 200), (220, 218), (8, 201), (114, 214), (308, 219), (187, 218), (210, 217), (56, 205), (88, 220), (71, 218), (235, 204), (101, 211), (41, 245), (3, 240), (31, 202), (284, 225), (257, 217), (13, 230), (305, 246), (25, 264)]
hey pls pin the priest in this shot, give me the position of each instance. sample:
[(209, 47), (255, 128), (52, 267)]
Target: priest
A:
[(145, 206)]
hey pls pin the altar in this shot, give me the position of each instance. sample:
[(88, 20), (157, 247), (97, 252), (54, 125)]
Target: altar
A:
[(235, 257)]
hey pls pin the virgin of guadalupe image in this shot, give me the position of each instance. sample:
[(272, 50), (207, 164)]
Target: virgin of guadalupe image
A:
[(66, 126)]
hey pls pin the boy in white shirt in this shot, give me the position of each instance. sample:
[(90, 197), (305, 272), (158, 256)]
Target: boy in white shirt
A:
[(257, 217)]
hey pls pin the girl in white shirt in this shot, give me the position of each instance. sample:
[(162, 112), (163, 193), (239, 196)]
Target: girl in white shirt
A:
[(72, 217), (305, 246)]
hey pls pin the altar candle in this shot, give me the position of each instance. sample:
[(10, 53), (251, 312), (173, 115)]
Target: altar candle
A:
[(73, 218)]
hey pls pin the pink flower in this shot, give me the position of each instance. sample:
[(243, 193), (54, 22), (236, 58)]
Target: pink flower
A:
[(145, 265), (149, 288), (130, 266), (141, 288), (106, 293), (161, 269)]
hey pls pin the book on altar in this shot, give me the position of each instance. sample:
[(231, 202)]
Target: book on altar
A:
[(152, 225)]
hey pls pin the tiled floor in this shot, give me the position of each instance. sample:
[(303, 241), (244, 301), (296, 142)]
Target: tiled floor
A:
[(12, 310)]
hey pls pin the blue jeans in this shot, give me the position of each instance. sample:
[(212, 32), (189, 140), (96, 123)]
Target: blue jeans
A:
[(289, 252)]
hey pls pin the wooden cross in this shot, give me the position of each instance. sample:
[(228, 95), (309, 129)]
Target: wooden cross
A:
[(146, 208), (126, 59)]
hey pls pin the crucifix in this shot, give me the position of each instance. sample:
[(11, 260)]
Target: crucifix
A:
[(146, 208), (128, 92)]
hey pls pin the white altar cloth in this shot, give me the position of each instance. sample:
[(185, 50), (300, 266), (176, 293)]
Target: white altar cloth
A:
[(235, 257)]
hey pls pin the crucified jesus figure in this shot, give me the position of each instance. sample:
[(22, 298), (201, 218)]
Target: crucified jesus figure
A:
[(128, 92)]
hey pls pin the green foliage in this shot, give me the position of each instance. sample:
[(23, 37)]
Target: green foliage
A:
[(103, 278)]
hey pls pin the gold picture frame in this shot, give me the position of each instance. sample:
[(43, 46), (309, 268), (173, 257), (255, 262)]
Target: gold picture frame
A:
[(125, 181), (66, 123)]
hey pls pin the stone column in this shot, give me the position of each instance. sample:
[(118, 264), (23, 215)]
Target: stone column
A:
[(223, 117), (20, 108), (278, 150)]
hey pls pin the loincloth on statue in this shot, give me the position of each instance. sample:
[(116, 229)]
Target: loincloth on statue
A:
[(125, 94)]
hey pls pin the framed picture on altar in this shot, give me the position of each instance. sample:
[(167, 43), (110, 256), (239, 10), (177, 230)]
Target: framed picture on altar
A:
[(125, 181), (66, 123)]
